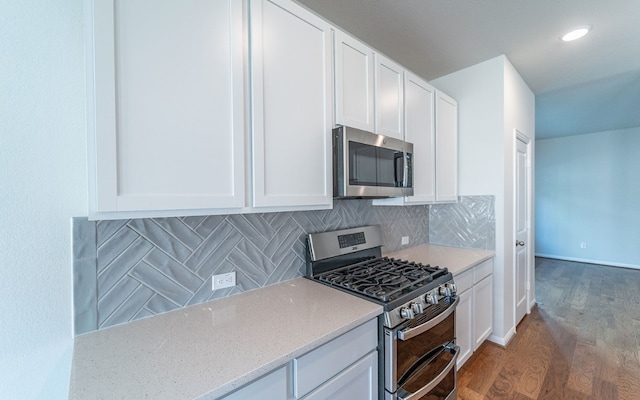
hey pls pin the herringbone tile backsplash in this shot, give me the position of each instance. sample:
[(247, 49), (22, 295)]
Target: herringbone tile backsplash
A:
[(130, 269), (468, 223)]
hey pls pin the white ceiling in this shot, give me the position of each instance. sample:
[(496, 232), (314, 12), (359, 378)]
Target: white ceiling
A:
[(586, 86)]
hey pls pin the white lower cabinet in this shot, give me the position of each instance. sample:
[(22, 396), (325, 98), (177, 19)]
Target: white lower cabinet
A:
[(474, 314), (464, 325), (483, 310), (346, 368), (272, 386)]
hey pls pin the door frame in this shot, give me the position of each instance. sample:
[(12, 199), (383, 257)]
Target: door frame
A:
[(530, 271)]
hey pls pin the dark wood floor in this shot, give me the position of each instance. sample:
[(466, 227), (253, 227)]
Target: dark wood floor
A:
[(582, 341)]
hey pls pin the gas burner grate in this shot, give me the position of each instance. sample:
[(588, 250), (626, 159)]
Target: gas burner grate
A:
[(384, 278)]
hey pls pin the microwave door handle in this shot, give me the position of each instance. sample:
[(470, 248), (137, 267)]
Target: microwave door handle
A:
[(407, 164), (398, 169)]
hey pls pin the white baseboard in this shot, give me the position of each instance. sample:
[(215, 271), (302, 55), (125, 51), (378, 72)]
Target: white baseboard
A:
[(588, 261), (502, 341)]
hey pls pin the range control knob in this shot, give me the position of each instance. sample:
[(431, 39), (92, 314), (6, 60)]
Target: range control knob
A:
[(447, 289), (453, 288), (431, 298), (407, 312), (416, 308)]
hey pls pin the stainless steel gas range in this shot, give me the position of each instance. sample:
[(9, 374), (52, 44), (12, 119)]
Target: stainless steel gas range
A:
[(417, 354)]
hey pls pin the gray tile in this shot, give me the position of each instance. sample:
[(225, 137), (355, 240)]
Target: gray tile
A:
[(113, 247), (210, 224), (143, 313), (278, 239), (129, 308), (254, 256), (121, 265), (285, 247), (211, 243), (243, 283), (260, 225), (258, 272), (160, 238), (159, 304), (290, 261), (108, 303), (106, 229), (201, 295), (218, 256), (277, 220), (193, 222), (83, 238), (159, 283), (248, 231), (85, 296), (173, 270), (181, 231)]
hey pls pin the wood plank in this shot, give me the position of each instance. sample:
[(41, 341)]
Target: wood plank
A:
[(581, 341)]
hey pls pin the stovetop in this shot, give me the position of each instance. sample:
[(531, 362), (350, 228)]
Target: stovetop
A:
[(351, 260), (384, 279)]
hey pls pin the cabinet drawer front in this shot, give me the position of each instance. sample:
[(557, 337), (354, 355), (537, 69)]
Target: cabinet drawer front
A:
[(270, 387), (358, 382), (464, 281), (482, 270), (316, 367)]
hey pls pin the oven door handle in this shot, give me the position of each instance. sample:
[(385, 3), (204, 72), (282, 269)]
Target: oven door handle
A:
[(413, 332), (436, 381)]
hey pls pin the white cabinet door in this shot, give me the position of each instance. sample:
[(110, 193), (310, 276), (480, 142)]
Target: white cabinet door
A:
[(389, 98), (464, 326), (446, 148), (354, 95), (358, 382), (270, 387), (291, 65), (483, 310), (165, 105), (419, 113)]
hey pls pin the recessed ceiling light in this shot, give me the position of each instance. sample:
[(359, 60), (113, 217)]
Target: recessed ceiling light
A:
[(576, 33)]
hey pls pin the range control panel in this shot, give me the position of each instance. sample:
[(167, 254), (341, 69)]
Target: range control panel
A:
[(352, 239)]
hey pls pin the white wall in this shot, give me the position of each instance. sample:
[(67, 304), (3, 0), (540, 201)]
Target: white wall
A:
[(43, 180), (486, 125), (587, 190)]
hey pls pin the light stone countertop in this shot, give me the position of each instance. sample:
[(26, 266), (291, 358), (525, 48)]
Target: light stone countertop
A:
[(455, 259), (213, 348)]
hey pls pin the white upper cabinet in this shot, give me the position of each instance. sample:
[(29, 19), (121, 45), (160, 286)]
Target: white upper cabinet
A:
[(446, 148), (291, 71), (165, 105), (389, 96), (354, 83), (420, 130)]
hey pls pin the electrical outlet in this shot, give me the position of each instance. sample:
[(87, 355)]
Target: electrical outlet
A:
[(583, 245), (405, 240), (223, 280)]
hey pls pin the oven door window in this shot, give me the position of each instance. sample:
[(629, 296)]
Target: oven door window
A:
[(375, 166), (410, 353), (435, 379)]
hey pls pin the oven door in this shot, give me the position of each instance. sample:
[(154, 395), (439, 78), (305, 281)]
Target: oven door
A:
[(421, 355)]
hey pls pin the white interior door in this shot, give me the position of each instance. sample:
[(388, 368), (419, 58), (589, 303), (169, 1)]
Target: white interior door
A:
[(522, 224)]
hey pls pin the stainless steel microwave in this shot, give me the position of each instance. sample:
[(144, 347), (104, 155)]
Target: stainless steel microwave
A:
[(367, 165)]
